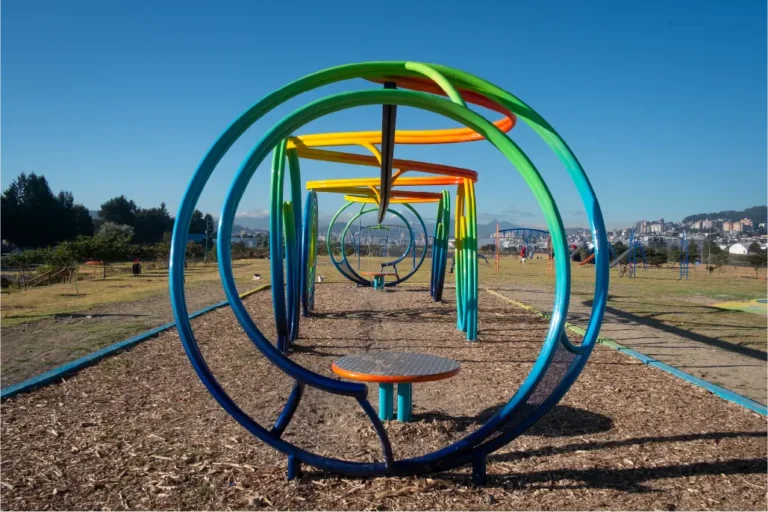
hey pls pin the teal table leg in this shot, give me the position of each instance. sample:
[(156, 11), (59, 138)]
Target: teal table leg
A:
[(386, 401), (404, 402), (378, 282)]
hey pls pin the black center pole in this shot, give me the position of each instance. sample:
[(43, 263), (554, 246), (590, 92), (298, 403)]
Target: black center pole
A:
[(388, 118)]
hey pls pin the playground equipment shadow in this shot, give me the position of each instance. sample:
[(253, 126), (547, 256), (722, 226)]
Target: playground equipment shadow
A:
[(739, 368), (649, 321), (139, 430)]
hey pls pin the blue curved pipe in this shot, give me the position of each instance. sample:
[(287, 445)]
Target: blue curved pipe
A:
[(459, 450)]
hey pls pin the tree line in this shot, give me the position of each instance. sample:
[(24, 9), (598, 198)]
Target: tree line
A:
[(56, 231), (33, 216), (756, 214)]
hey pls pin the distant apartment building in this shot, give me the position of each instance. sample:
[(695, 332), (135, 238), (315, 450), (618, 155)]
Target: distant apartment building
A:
[(706, 224), (645, 227), (746, 224), (727, 226)]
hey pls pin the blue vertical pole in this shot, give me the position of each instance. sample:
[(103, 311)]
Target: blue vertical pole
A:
[(386, 401), (404, 402), (294, 467)]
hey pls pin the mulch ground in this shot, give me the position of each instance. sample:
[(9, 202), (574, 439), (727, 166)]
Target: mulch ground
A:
[(139, 431)]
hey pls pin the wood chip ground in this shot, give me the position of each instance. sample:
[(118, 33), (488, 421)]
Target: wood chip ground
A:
[(139, 430)]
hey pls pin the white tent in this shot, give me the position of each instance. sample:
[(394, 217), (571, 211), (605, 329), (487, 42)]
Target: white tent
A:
[(737, 249)]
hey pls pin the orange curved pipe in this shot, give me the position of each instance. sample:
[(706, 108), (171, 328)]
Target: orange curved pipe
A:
[(371, 161), (444, 136)]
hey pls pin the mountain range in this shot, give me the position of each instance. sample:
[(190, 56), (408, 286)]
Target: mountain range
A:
[(262, 224)]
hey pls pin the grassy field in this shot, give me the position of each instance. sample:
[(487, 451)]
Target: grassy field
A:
[(42, 302), (48, 326), (657, 297), (658, 286)]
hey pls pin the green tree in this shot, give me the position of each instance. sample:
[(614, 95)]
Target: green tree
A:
[(151, 224), (197, 225), (194, 250), (112, 243), (74, 219), (31, 212), (655, 257), (239, 251), (24, 262), (33, 217), (83, 221), (210, 235), (693, 251), (67, 256), (714, 256), (119, 210), (757, 258), (619, 247), (161, 251)]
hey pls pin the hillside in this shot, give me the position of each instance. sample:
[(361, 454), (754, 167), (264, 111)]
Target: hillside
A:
[(757, 214)]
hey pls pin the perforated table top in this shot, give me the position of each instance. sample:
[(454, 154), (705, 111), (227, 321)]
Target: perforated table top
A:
[(395, 367)]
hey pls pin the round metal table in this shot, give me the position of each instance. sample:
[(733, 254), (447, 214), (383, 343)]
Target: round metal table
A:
[(401, 368)]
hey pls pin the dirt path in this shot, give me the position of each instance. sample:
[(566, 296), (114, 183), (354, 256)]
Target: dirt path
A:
[(139, 430), (30, 349), (738, 368)]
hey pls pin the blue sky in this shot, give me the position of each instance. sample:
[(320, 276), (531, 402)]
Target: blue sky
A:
[(664, 103)]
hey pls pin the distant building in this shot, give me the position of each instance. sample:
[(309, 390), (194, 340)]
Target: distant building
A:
[(737, 249), (706, 224), (727, 226), (746, 224)]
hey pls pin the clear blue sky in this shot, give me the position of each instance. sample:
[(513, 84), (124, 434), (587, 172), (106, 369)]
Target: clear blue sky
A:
[(664, 102)]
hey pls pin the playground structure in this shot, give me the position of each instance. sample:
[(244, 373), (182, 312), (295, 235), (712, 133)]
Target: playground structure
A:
[(409, 84), (684, 256), (630, 253), (635, 247), (527, 237)]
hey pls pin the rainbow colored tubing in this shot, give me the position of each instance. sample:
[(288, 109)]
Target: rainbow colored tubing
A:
[(557, 365), (365, 190)]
